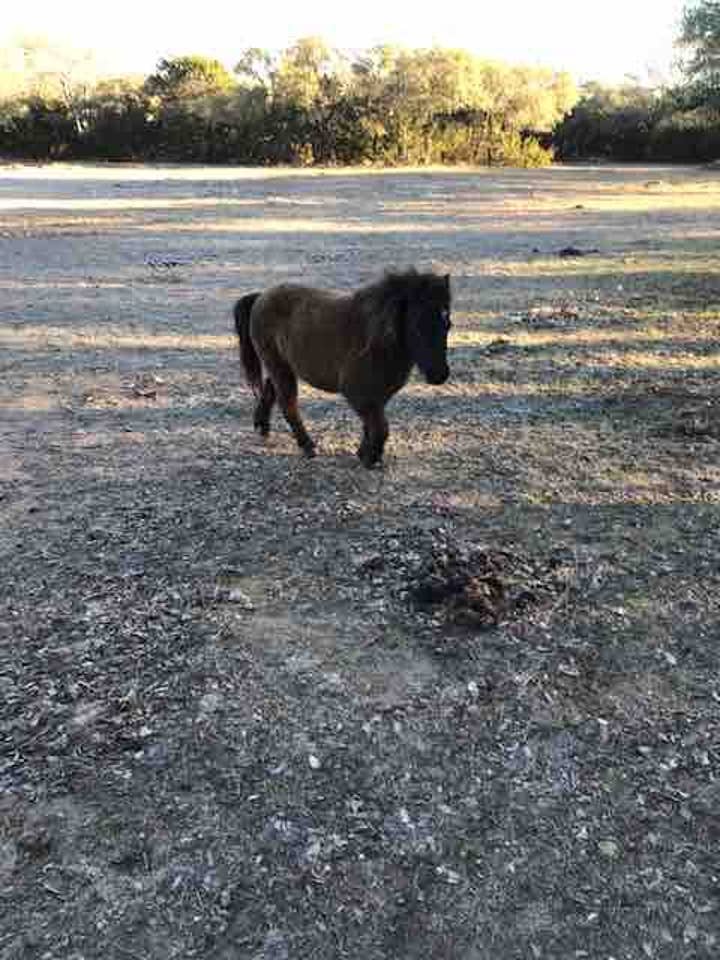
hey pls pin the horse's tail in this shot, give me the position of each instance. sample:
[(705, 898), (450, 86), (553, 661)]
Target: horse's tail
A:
[(248, 354)]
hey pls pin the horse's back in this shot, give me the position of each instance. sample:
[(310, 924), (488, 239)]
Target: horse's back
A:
[(287, 299), (310, 329)]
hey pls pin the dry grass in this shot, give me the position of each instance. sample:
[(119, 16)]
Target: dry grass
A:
[(227, 729)]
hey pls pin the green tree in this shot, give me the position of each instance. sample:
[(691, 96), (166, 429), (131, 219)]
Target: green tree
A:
[(256, 69), (700, 42), (447, 105), (188, 78), (49, 73), (700, 38), (307, 71), (611, 122), (118, 121)]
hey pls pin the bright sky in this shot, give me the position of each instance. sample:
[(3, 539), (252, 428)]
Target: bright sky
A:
[(602, 39)]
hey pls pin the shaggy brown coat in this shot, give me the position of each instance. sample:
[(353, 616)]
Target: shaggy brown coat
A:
[(362, 345)]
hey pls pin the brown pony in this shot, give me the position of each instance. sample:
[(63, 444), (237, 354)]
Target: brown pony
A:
[(362, 345)]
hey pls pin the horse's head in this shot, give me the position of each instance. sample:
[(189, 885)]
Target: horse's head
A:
[(428, 324)]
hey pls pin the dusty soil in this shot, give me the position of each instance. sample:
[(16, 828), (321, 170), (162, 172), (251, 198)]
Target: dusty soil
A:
[(466, 706)]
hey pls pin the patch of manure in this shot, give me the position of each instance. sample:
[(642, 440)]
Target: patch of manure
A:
[(477, 586)]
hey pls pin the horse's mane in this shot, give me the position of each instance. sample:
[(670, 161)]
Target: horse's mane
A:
[(384, 300), (390, 289), (380, 304)]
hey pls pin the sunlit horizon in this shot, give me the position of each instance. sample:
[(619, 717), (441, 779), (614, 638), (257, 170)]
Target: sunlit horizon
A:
[(608, 42)]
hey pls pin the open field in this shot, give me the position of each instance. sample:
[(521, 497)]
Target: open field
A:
[(228, 727)]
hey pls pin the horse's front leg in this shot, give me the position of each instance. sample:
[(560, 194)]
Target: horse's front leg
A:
[(375, 433)]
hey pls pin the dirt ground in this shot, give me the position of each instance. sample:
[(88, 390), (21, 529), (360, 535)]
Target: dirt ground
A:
[(244, 712)]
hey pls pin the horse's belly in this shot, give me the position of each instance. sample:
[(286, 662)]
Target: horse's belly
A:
[(320, 381), (312, 368)]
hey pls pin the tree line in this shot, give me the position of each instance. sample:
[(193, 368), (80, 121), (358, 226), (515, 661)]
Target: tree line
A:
[(679, 122), (312, 104), (307, 104)]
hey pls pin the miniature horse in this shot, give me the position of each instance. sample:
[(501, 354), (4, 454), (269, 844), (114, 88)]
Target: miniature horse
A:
[(362, 345)]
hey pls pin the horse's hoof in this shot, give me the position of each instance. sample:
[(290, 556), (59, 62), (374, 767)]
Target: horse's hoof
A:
[(369, 460), (262, 429), (308, 452)]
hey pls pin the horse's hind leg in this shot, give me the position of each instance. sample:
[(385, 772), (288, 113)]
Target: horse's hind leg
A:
[(286, 388), (263, 408)]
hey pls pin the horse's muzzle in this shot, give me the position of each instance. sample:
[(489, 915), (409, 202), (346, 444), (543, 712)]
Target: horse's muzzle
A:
[(436, 377)]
